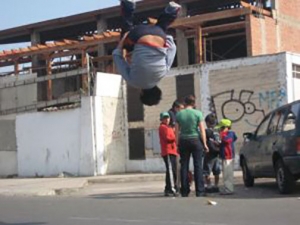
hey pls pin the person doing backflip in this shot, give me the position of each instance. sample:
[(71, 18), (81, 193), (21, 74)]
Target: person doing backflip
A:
[(152, 51)]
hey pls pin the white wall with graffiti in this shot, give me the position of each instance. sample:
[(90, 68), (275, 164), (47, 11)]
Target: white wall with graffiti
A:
[(242, 90)]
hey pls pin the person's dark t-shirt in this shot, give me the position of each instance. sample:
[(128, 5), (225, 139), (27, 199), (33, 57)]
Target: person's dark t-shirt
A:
[(214, 150), (172, 114)]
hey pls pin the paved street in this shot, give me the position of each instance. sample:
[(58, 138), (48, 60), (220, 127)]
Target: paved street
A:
[(142, 203)]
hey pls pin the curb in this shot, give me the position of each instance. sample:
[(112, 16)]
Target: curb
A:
[(135, 178)]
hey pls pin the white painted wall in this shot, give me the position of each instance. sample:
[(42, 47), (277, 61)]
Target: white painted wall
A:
[(86, 141), (111, 135), (48, 143), (87, 154), (293, 83)]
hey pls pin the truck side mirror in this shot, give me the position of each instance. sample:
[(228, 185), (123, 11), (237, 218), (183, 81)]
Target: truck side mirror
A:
[(248, 136)]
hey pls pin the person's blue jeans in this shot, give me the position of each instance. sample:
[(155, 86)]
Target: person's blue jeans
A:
[(187, 148)]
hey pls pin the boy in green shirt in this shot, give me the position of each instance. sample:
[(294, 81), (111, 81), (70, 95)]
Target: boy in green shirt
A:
[(190, 131)]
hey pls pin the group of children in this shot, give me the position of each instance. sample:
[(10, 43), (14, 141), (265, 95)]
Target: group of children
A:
[(220, 142)]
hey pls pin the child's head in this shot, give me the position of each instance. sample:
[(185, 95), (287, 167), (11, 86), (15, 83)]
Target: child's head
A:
[(177, 105), (150, 96), (224, 125), (165, 118), (190, 100), (210, 120)]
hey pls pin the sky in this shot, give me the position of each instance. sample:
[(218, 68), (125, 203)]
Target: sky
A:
[(22, 12)]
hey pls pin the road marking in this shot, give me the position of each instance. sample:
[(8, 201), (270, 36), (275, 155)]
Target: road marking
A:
[(143, 221)]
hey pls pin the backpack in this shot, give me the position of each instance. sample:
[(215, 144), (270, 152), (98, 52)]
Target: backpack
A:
[(210, 136)]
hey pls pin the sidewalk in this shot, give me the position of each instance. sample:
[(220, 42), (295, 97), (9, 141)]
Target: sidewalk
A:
[(60, 186)]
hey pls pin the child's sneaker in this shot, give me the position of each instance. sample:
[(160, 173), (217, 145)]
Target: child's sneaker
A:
[(173, 8)]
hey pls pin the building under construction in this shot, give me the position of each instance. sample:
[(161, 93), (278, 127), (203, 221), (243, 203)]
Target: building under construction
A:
[(219, 48), (207, 31)]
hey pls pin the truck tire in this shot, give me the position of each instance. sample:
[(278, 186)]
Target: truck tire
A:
[(247, 177), (284, 179)]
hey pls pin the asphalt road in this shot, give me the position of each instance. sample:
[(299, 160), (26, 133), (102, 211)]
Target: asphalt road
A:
[(143, 204)]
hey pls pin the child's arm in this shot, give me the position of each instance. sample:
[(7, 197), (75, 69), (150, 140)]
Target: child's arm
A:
[(169, 134), (234, 136), (171, 51), (121, 64), (177, 128), (203, 135), (166, 134)]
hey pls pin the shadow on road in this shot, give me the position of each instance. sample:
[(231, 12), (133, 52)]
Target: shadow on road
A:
[(262, 189), (128, 195)]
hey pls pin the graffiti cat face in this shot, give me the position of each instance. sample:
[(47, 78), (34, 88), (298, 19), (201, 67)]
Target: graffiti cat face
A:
[(237, 109)]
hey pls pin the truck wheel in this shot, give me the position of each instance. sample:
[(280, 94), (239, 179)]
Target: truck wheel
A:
[(284, 179), (247, 177)]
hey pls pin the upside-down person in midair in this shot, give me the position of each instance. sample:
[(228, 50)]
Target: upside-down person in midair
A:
[(152, 51)]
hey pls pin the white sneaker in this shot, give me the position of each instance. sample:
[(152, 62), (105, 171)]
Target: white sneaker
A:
[(173, 7)]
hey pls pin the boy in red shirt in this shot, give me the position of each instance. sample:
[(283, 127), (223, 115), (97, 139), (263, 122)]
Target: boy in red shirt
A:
[(169, 153)]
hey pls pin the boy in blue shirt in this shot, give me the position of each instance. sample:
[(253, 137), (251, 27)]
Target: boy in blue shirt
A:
[(227, 153)]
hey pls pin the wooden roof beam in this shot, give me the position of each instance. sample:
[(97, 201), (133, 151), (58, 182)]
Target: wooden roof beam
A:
[(218, 28), (256, 9), (58, 46), (195, 21)]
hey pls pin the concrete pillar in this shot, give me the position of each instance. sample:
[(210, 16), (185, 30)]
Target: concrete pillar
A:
[(182, 43), (101, 27), (37, 66), (274, 4), (35, 39), (249, 36)]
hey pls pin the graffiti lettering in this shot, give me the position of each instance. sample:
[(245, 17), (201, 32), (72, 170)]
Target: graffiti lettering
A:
[(273, 99)]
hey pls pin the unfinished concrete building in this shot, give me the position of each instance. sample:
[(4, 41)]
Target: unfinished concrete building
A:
[(207, 31), (64, 54)]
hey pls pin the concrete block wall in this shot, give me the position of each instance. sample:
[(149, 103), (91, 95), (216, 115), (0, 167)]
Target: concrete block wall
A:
[(245, 94), (13, 97), (8, 146), (168, 87)]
